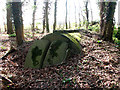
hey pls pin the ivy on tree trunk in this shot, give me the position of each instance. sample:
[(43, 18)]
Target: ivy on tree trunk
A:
[(18, 21), (108, 22)]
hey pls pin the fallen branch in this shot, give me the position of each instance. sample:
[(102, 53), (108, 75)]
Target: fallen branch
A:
[(10, 51), (5, 80)]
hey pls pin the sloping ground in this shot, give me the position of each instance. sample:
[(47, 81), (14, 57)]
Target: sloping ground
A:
[(4, 44), (98, 67)]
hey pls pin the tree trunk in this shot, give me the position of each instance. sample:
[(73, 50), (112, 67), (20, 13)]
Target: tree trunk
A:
[(108, 23), (43, 23), (91, 12), (66, 16), (79, 15), (18, 22), (69, 24), (9, 19), (82, 16), (55, 11), (46, 18), (79, 20), (75, 17), (5, 27), (87, 13), (33, 19), (69, 18), (102, 15)]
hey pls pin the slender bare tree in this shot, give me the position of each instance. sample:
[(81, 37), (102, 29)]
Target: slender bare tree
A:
[(91, 11), (69, 16), (9, 19), (46, 15), (75, 15), (87, 13), (79, 13), (66, 17), (46, 8), (43, 21), (55, 15), (33, 17)]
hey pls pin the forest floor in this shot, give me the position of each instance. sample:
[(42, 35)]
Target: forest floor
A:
[(99, 67)]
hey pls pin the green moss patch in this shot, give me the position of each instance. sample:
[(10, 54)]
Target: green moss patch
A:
[(71, 39), (74, 44)]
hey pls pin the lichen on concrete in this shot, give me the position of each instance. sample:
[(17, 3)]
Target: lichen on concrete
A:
[(36, 54), (56, 56)]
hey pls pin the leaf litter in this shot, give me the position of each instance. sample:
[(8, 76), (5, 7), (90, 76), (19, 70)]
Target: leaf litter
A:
[(99, 66)]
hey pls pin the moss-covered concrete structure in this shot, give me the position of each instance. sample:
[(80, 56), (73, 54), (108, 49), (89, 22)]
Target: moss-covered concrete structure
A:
[(52, 49)]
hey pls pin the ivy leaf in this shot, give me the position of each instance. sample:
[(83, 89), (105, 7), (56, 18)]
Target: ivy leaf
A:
[(99, 41), (67, 80)]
